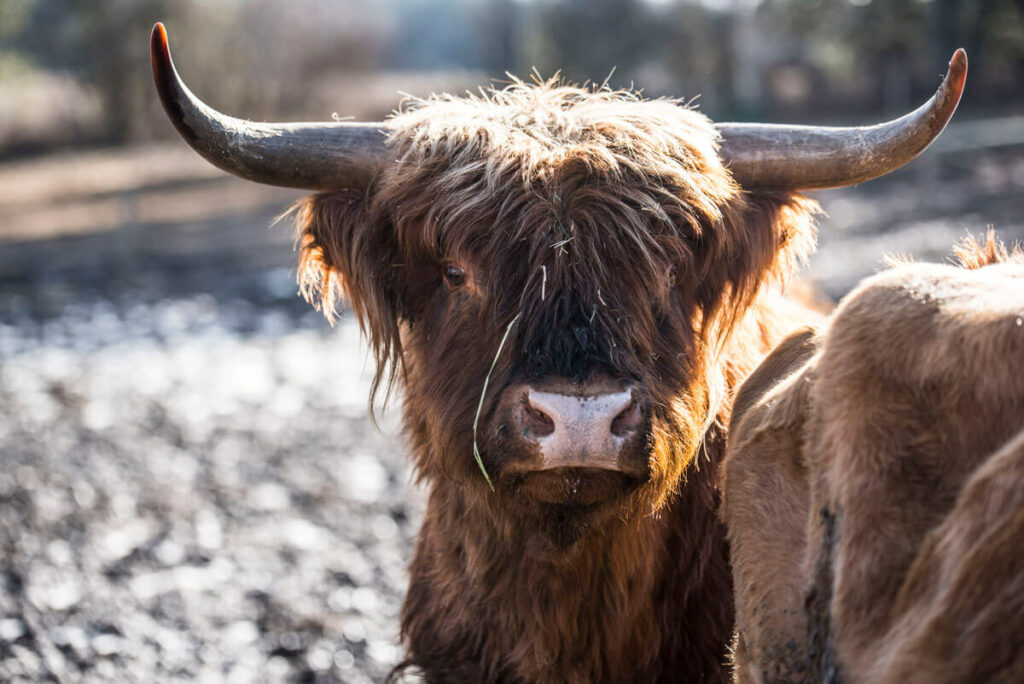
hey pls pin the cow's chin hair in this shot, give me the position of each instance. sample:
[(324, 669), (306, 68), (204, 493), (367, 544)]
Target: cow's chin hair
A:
[(549, 526), (556, 531)]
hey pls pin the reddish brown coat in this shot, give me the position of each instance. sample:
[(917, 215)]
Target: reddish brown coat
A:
[(556, 202)]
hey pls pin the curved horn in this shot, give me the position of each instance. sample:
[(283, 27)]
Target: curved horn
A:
[(808, 157), (313, 156)]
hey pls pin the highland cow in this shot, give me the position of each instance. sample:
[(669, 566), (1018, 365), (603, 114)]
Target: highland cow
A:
[(874, 485), (566, 283)]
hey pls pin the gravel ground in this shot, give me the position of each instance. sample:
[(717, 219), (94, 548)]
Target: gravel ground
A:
[(191, 491), (190, 488)]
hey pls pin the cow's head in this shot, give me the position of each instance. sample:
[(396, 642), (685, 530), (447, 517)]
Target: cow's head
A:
[(584, 254)]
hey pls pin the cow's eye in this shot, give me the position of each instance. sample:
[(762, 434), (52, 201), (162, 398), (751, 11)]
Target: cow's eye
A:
[(454, 276), (670, 275)]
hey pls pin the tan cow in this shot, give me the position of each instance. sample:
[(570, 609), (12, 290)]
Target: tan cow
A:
[(874, 485)]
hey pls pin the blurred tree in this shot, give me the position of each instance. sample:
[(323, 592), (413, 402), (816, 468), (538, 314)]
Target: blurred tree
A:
[(14, 15), (440, 34), (993, 33), (500, 23), (587, 39), (98, 42), (894, 44), (105, 46), (700, 53), (884, 41)]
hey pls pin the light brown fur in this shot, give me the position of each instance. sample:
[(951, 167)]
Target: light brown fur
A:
[(872, 486)]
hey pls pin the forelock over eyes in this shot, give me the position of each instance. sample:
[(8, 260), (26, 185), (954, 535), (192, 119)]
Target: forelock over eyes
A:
[(464, 160)]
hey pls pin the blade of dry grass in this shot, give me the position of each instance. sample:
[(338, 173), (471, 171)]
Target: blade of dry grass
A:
[(480, 406)]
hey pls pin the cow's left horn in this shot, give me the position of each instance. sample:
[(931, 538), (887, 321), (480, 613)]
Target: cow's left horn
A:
[(314, 156), (808, 157)]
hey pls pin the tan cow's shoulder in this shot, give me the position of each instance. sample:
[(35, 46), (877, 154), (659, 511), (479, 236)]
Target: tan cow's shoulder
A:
[(932, 324)]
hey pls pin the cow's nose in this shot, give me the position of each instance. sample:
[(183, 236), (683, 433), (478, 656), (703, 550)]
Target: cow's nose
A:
[(574, 431)]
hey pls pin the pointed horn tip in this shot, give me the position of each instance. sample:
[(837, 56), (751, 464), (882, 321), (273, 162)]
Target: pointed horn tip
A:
[(957, 74), (158, 39), (952, 88), (159, 50), (958, 62)]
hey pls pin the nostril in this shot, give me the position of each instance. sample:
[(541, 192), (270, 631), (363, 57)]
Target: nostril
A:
[(628, 421), (536, 423)]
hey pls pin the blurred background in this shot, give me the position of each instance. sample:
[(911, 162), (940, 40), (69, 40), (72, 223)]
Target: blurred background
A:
[(190, 488)]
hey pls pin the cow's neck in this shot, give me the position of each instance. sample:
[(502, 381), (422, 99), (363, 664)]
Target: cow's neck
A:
[(640, 599)]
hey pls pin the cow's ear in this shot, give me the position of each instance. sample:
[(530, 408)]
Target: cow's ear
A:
[(762, 237), (348, 254)]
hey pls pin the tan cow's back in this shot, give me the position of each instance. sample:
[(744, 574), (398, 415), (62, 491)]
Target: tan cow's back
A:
[(874, 487)]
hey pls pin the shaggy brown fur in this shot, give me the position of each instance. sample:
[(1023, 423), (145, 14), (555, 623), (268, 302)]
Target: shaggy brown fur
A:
[(609, 226), (874, 486)]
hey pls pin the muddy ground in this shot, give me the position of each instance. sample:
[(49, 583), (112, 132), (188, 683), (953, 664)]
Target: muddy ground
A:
[(190, 487)]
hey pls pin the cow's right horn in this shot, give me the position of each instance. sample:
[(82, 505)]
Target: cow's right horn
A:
[(313, 156), (808, 157)]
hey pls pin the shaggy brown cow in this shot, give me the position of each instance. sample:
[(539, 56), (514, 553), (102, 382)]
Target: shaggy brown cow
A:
[(874, 485), (566, 283)]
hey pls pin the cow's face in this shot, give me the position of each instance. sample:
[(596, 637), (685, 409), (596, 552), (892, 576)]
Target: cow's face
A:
[(601, 247)]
